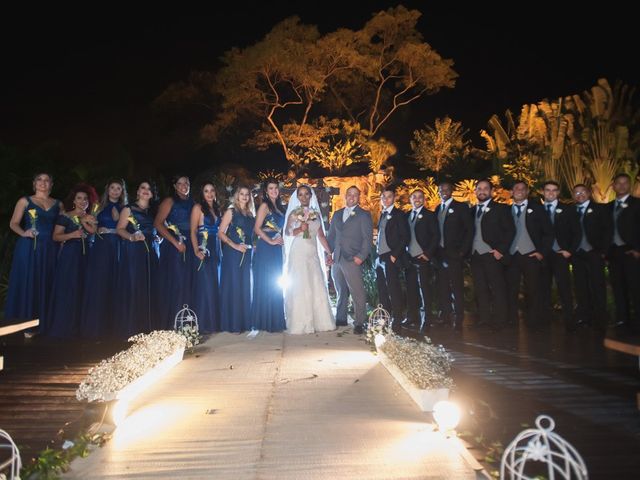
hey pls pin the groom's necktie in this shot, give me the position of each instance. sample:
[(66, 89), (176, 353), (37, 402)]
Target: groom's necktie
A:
[(346, 214)]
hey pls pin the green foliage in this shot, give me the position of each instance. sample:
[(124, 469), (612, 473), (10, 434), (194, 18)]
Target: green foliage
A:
[(435, 147), (52, 463)]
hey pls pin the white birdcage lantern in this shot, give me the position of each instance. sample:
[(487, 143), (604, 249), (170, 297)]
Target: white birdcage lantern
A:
[(541, 449), (185, 318), (378, 325), (13, 464)]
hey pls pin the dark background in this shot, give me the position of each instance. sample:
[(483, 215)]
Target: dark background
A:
[(81, 83)]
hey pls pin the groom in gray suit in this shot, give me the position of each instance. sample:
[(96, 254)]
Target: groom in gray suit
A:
[(350, 238)]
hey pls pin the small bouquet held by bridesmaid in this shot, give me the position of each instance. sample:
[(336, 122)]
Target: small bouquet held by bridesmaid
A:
[(181, 238), (136, 227), (76, 220), (204, 234), (242, 238), (303, 215), (33, 220)]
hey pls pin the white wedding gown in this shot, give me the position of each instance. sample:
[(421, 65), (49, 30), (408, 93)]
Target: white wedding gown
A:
[(306, 299)]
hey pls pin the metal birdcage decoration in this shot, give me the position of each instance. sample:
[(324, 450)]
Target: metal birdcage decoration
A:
[(536, 448), (13, 464), (379, 318), (185, 317)]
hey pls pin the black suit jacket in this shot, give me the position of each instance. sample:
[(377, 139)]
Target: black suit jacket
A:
[(397, 232), (628, 222), (457, 229), (566, 227), (598, 226), (539, 227), (426, 230), (498, 229)]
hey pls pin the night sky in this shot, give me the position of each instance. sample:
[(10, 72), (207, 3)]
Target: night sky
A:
[(84, 81)]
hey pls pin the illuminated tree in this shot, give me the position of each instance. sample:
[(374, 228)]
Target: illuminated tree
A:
[(435, 147)]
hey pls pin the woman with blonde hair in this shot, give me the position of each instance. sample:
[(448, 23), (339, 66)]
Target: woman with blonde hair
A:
[(236, 235)]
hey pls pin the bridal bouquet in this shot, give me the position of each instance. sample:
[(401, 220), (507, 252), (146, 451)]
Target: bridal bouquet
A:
[(303, 215)]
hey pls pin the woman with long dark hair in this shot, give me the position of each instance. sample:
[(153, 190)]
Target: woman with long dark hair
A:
[(236, 235), (98, 306), (72, 230), (35, 253), (205, 220), (138, 266), (172, 223), (267, 305)]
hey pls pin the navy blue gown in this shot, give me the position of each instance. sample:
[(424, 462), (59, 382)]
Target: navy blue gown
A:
[(68, 284), (100, 292), (267, 305), (137, 271), (206, 299), (33, 266), (235, 277), (176, 269)]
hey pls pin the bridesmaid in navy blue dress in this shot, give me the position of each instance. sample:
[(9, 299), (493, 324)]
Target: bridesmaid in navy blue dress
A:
[(205, 220), (35, 253), (138, 266), (267, 306), (72, 229), (236, 232), (176, 260), (98, 307)]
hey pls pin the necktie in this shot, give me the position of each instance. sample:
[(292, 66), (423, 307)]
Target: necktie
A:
[(550, 212), (618, 205), (413, 215), (519, 212), (479, 212), (581, 211)]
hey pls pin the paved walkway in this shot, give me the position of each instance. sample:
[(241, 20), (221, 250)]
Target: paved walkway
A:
[(277, 407)]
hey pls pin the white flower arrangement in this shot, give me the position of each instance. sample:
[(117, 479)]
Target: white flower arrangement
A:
[(427, 366), (419, 216), (106, 379), (191, 334), (624, 205), (487, 209), (558, 210), (451, 210), (529, 210), (590, 210)]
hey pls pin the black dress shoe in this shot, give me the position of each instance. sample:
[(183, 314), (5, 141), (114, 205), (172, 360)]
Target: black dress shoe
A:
[(341, 323), (358, 330)]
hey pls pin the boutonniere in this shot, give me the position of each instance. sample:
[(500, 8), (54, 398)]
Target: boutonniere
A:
[(389, 216), (529, 210), (558, 210), (451, 210), (487, 209), (419, 216), (624, 205), (352, 214), (589, 210)]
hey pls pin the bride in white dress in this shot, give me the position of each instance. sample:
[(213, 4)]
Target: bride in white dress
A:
[(306, 298)]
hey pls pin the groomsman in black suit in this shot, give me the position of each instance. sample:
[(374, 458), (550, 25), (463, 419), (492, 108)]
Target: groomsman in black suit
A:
[(624, 253), (567, 233), (455, 228), (393, 238), (423, 240), (493, 233), (588, 262), (532, 243)]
